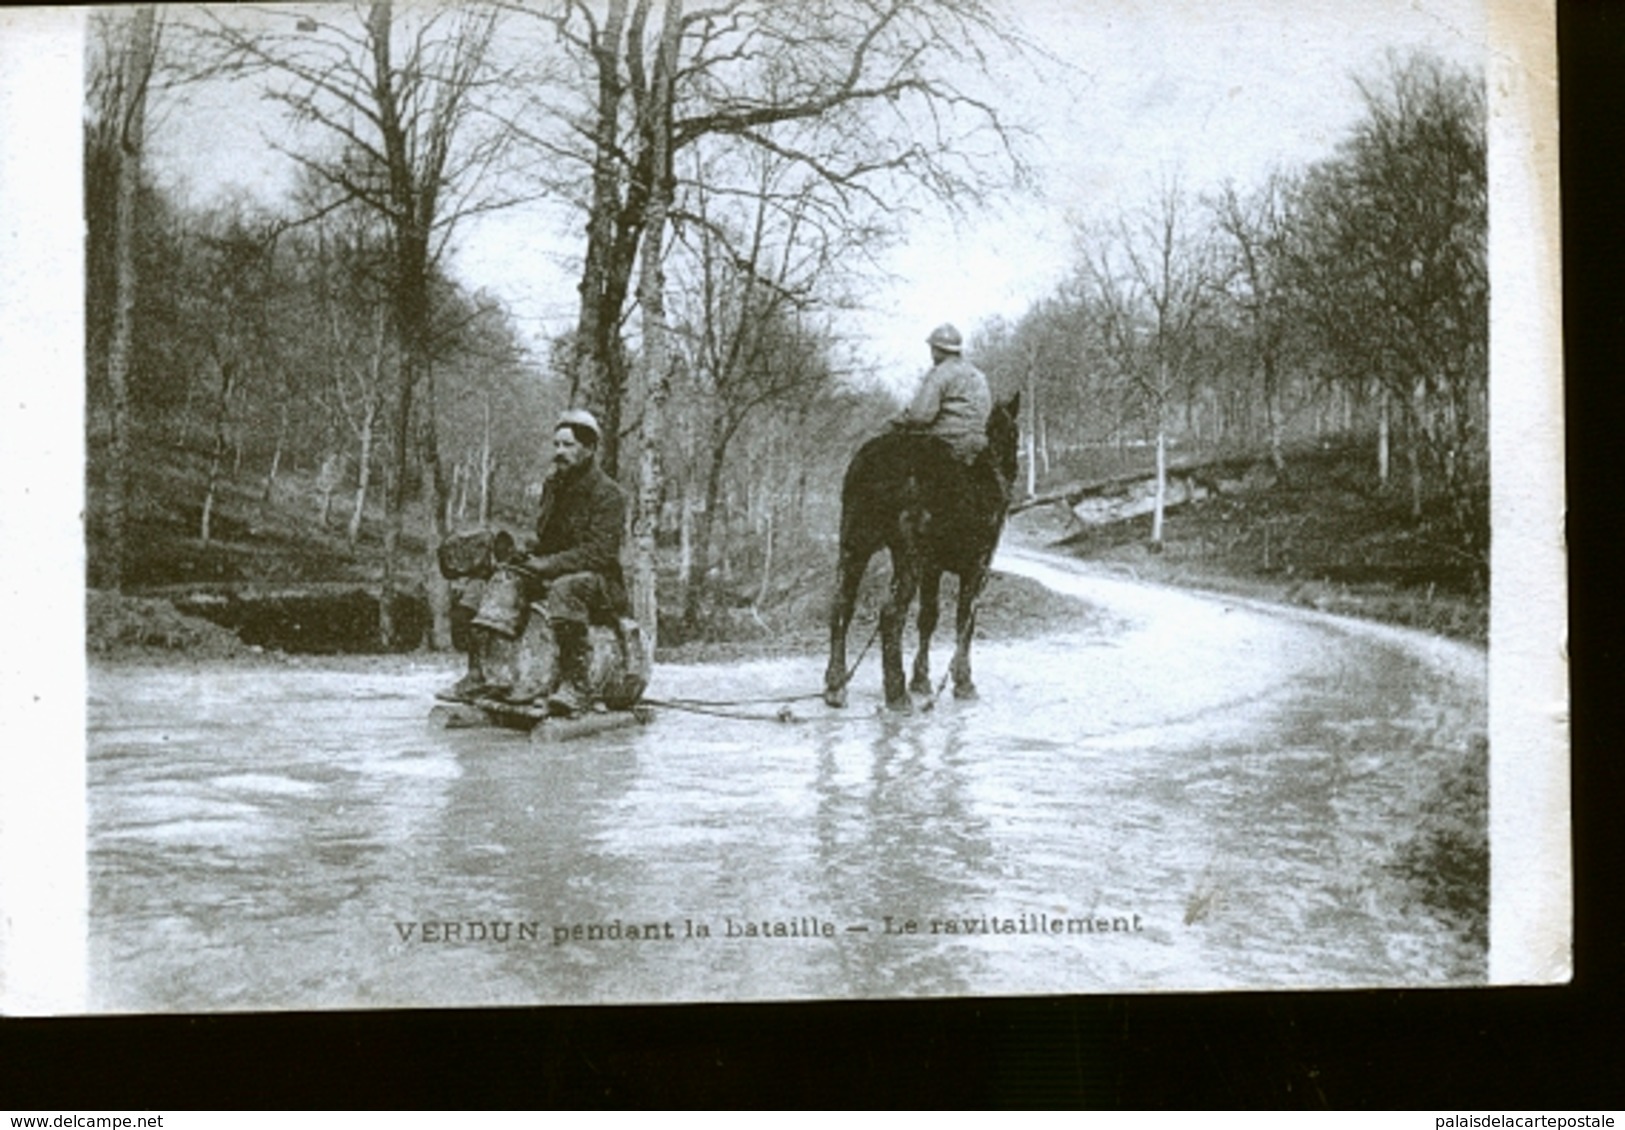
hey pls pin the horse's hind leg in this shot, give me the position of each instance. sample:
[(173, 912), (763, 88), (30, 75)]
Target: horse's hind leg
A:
[(851, 571), (905, 579), (964, 629), (930, 589)]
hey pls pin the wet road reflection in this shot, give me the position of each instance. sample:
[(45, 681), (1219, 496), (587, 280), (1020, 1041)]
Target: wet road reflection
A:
[(1225, 783)]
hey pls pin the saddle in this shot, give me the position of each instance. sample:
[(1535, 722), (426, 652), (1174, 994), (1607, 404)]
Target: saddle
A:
[(941, 482)]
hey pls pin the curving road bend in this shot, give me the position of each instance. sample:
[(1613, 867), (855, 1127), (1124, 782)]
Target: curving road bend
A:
[(1192, 793)]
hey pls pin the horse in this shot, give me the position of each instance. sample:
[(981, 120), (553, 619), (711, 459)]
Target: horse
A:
[(907, 492)]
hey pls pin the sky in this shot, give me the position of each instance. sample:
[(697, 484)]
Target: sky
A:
[(1137, 91)]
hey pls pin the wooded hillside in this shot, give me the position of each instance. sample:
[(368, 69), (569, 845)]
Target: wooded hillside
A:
[(735, 175)]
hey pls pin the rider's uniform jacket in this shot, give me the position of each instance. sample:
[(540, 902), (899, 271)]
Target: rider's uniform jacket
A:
[(953, 403)]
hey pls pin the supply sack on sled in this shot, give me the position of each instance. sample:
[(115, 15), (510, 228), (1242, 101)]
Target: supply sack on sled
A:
[(502, 605), (475, 554), (618, 667)]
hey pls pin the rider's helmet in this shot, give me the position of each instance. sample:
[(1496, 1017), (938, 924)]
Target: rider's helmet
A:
[(946, 338)]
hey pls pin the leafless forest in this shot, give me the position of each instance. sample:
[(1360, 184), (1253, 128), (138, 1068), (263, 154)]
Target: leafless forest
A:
[(313, 366)]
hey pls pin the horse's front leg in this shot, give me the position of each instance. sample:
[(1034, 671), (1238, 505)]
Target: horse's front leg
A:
[(905, 579), (970, 587), (930, 588), (851, 571)]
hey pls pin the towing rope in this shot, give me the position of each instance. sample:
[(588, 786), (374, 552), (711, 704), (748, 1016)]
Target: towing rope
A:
[(724, 708)]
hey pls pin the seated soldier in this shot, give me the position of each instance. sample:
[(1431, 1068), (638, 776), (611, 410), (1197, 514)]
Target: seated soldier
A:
[(572, 568)]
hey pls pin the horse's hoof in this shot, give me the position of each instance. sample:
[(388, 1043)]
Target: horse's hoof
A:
[(835, 697), (920, 684), (904, 705), (965, 691)]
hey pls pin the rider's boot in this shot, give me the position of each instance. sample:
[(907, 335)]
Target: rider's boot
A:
[(574, 694)]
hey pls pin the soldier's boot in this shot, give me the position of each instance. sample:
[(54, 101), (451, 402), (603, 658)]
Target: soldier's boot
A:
[(471, 686), (574, 693)]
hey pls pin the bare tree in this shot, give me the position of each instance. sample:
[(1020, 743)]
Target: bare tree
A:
[(402, 133), (654, 118), (124, 55), (869, 97), (760, 263), (347, 281), (492, 409), (1254, 270), (1151, 281), (1390, 266), (1052, 355), (231, 301)]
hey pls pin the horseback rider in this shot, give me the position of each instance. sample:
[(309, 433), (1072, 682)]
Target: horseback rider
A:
[(953, 401), (572, 567)]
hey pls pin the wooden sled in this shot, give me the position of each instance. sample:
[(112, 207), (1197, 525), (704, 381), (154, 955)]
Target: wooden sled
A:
[(543, 730), (618, 674)]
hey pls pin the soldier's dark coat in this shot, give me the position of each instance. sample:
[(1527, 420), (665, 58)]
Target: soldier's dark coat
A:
[(579, 529)]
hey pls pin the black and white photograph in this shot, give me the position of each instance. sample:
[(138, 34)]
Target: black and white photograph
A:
[(604, 502)]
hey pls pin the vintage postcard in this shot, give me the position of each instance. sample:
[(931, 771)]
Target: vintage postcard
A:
[(482, 480)]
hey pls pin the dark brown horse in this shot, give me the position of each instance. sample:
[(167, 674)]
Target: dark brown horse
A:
[(907, 492)]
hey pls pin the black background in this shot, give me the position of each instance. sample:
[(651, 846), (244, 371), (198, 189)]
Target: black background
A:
[(1445, 1049)]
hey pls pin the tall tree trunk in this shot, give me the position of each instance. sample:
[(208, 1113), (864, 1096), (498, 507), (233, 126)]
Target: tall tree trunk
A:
[(595, 377), (652, 299), (137, 70), (1272, 415), (400, 416), (394, 503), (1162, 455), (1032, 434), (411, 310), (1413, 467), (763, 589), (438, 504), (276, 454), (685, 544), (363, 475), (410, 214), (487, 465), (327, 481), (725, 515), (1162, 487), (694, 595), (1043, 440), (217, 458), (1417, 437), (1382, 438)]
